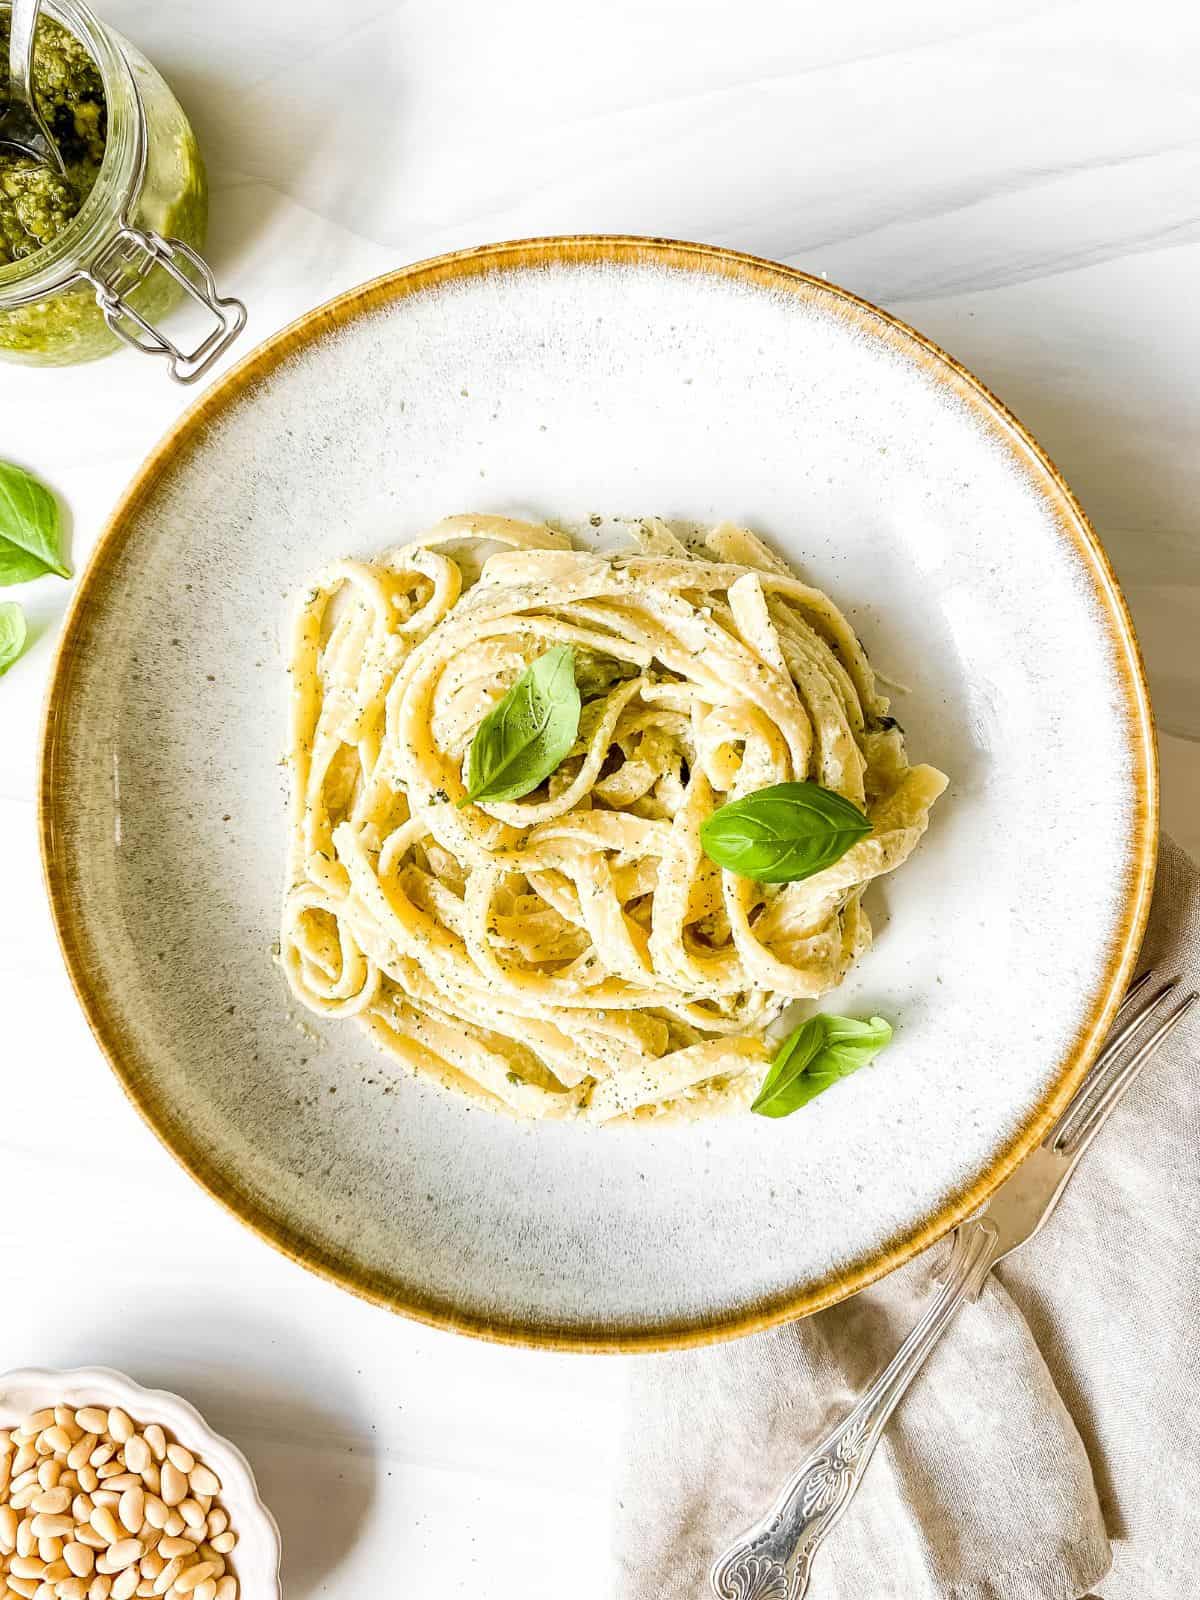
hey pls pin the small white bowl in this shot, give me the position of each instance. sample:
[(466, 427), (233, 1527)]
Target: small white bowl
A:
[(255, 1561)]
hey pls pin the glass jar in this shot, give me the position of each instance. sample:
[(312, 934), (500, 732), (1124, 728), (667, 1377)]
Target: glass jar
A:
[(132, 252)]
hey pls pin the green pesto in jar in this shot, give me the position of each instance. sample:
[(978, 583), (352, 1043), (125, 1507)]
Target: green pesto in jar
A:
[(168, 196), (36, 202)]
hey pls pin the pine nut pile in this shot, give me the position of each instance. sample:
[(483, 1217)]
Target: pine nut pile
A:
[(91, 1508)]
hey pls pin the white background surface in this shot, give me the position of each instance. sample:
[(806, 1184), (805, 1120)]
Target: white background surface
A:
[(1019, 180)]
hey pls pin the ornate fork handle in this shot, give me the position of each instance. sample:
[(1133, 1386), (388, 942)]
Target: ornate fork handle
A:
[(772, 1559)]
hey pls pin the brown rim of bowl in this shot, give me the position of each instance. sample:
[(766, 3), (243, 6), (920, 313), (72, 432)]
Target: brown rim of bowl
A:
[(1073, 525)]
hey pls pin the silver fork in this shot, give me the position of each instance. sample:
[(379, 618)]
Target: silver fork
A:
[(772, 1560)]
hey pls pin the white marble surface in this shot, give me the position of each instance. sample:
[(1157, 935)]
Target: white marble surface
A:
[(1018, 179)]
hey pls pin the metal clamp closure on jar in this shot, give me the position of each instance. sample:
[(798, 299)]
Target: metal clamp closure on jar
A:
[(125, 262)]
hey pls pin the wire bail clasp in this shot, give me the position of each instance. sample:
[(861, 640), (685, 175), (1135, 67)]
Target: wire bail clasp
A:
[(125, 263)]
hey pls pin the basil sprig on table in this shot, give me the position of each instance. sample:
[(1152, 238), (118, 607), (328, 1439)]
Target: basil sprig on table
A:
[(821, 1051), (30, 547), (783, 833), (30, 528), (12, 634), (522, 740)]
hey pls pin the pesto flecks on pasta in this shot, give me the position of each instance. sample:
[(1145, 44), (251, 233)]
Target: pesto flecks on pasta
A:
[(575, 952)]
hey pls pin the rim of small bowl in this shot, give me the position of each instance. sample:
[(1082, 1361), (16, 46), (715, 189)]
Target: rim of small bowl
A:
[(239, 1488), (1073, 527)]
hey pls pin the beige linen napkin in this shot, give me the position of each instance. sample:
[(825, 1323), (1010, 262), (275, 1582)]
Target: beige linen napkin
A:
[(1051, 1446)]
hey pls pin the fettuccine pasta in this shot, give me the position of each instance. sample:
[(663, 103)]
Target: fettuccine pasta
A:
[(574, 952)]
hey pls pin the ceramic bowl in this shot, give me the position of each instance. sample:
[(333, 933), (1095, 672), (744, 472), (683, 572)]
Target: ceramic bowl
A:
[(255, 1561), (570, 379)]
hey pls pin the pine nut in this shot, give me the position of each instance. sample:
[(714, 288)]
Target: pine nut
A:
[(132, 1510), (25, 1540), (56, 1571), (103, 1453), (25, 1587), (64, 1416), (110, 1469), (48, 1473), (51, 1501), (8, 1530), (79, 1452), (38, 1422), (218, 1520), (25, 1458), (88, 1478), (192, 1515), (191, 1576), (71, 1589), (168, 1575), (137, 1454), (174, 1524), (145, 1588), (125, 1585), (105, 1524), (157, 1440), (157, 1511), (23, 1480), (5, 1471), (92, 1419), (176, 1547), (151, 1565), (58, 1439), (206, 1590), (106, 1497), (50, 1550), (152, 1478), (101, 1588), (79, 1558), (27, 1567), (204, 1480), (81, 1507), (25, 1496), (125, 1553), (174, 1484), (119, 1426), (120, 1481), (49, 1527), (88, 1535), (179, 1456)]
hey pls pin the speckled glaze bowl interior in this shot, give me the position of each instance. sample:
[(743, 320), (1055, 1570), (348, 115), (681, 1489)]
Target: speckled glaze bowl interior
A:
[(562, 379)]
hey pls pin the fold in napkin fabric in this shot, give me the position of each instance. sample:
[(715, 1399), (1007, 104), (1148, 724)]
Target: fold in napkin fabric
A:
[(1050, 1448)]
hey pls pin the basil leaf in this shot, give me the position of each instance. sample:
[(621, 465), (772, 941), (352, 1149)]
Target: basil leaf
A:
[(821, 1051), (30, 528), (783, 833), (13, 634), (523, 739)]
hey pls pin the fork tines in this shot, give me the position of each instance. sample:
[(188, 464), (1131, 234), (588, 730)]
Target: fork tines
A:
[(1110, 1076)]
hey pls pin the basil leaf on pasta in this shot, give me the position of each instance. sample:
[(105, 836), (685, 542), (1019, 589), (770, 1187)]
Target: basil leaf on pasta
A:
[(30, 528), (783, 833), (525, 738), (13, 634), (821, 1051)]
